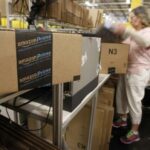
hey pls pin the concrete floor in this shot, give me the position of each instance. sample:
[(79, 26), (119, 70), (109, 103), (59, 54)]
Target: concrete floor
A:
[(143, 144)]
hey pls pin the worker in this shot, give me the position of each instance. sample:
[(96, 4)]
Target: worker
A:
[(131, 86)]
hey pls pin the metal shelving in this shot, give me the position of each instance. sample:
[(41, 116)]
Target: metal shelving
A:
[(62, 117)]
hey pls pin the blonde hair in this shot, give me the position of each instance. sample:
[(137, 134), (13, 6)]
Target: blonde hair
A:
[(143, 15)]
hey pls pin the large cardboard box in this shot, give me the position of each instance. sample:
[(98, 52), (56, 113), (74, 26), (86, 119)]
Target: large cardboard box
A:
[(114, 58), (103, 127), (31, 59), (76, 135), (79, 126), (106, 96)]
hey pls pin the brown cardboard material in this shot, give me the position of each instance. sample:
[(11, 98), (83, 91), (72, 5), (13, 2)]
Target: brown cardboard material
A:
[(3, 7), (80, 127), (114, 58), (54, 10), (96, 17), (21, 7), (66, 60), (8, 63), (66, 56), (102, 128), (106, 96)]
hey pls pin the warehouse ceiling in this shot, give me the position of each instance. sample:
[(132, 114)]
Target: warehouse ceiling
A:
[(119, 8)]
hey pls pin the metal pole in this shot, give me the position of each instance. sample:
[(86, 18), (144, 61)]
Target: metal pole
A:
[(16, 119), (57, 114), (92, 117)]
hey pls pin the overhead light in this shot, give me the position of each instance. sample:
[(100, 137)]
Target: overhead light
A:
[(87, 3), (128, 1), (129, 10)]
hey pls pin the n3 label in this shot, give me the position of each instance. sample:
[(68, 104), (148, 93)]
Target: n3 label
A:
[(112, 51)]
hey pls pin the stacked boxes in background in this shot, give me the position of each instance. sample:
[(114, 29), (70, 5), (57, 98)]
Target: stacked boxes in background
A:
[(14, 8), (3, 8), (20, 7), (32, 59), (66, 11), (54, 10), (51, 10), (75, 14), (72, 12), (94, 18)]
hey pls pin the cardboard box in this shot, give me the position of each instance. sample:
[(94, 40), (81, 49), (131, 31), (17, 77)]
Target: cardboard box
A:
[(77, 90), (114, 58), (96, 17), (53, 10), (76, 135), (21, 7), (79, 126), (31, 59), (103, 127), (106, 96)]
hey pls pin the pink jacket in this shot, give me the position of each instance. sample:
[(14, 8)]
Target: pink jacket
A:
[(139, 53)]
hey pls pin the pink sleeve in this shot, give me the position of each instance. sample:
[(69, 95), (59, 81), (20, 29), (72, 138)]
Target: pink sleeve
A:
[(142, 37), (127, 41)]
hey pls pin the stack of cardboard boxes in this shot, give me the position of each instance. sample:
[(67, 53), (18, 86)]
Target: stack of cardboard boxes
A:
[(66, 11)]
